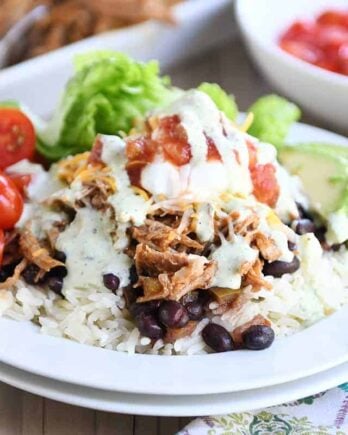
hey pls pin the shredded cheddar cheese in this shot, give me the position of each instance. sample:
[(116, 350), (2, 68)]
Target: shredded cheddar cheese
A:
[(247, 122)]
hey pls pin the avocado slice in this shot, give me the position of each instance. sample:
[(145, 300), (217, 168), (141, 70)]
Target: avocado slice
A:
[(323, 171), (339, 150)]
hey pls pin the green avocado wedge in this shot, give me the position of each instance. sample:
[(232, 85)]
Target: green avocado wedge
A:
[(323, 170), (337, 150)]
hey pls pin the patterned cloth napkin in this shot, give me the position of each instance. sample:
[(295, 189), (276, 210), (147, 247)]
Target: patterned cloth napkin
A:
[(321, 414)]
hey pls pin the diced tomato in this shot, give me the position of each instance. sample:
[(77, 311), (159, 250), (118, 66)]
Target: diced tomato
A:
[(299, 30), (172, 138), (252, 154), (319, 42), (134, 170), (140, 148), (96, 152), (332, 17), (302, 50), (17, 137), (11, 203), (266, 187), (21, 181), (213, 153), (2, 245)]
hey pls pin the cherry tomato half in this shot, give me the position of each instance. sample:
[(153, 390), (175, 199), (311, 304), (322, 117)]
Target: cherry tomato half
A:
[(17, 137), (11, 203)]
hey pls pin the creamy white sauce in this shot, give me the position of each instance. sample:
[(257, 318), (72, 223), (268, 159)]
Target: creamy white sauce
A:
[(230, 257), (88, 245), (42, 185), (202, 180), (205, 222), (129, 207)]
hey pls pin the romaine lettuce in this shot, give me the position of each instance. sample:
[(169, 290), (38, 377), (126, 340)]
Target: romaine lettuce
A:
[(225, 103), (108, 91), (273, 116)]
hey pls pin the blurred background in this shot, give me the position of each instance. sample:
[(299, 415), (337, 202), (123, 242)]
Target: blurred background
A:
[(298, 49)]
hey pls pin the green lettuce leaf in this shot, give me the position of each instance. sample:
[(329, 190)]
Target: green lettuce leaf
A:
[(107, 93), (273, 116), (224, 102)]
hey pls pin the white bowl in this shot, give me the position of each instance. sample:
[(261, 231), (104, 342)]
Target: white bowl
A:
[(323, 93)]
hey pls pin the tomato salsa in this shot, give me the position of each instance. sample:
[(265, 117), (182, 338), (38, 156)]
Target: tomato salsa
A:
[(322, 42)]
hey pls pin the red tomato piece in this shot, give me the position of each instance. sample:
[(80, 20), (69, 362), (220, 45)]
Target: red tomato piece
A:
[(21, 181), (252, 154), (213, 153), (302, 50), (266, 187), (171, 136), (319, 42), (11, 203), (134, 170), (332, 17), (140, 148), (2, 245), (17, 137)]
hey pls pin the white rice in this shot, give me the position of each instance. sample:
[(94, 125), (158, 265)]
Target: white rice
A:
[(97, 316)]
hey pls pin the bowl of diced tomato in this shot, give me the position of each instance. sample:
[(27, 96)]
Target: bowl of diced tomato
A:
[(302, 49)]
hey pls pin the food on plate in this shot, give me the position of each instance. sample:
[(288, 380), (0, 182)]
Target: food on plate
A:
[(322, 42), (163, 226), (69, 21)]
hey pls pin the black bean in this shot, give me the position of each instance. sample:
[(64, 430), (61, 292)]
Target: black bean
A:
[(189, 297), (30, 273), (150, 307), (320, 234), (3, 275), (60, 256), (60, 271), (217, 337), (195, 310), (173, 315), (131, 294), (149, 326), (304, 226), (111, 281), (133, 276), (303, 212), (258, 337), (206, 298), (292, 246), (6, 271), (279, 268), (336, 247), (55, 283)]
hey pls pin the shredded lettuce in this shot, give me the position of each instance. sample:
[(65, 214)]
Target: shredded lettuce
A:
[(225, 103), (273, 116), (107, 93)]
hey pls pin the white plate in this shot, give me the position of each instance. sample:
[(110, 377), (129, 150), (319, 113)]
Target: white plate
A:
[(318, 348), (144, 404)]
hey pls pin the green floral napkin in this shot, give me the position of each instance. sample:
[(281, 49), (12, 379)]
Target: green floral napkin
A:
[(321, 414)]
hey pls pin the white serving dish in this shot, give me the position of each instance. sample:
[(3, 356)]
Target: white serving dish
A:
[(145, 404), (316, 349), (201, 24), (321, 92)]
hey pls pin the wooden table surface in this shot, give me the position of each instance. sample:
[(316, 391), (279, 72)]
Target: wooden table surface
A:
[(22, 413)]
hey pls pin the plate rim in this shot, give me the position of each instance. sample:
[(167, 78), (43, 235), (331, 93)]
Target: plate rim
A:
[(213, 404)]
